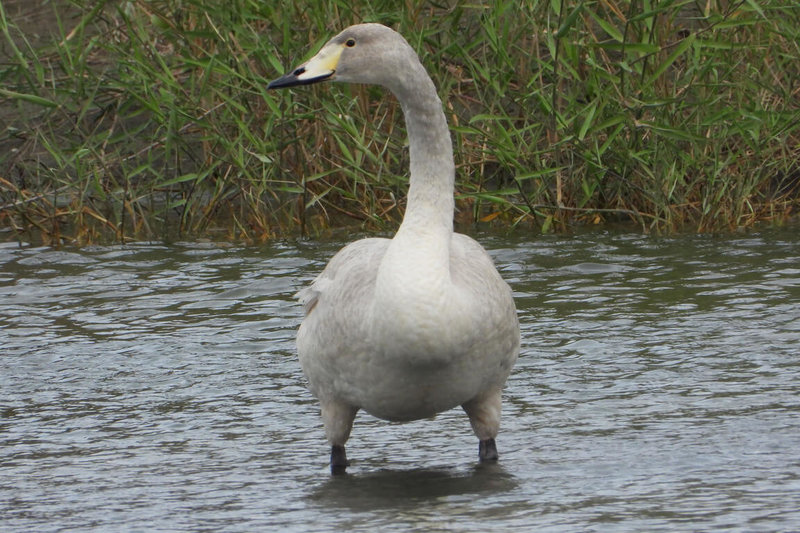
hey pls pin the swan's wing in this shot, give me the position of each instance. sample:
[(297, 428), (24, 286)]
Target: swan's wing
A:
[(473, 271), (347, 276), (472, 268), (332, 340)]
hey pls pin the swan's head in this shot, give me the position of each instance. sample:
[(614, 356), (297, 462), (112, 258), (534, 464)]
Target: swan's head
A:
[(364, 53)]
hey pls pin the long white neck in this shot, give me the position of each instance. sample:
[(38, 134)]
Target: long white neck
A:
[(430, 194), (414, 290)]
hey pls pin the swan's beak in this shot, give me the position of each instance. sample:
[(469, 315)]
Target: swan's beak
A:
[(321, 67)]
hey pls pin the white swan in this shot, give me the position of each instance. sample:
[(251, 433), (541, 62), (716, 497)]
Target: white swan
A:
[(407, 327)]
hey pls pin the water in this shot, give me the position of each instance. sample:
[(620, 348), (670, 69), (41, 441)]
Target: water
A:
[(150, 387)]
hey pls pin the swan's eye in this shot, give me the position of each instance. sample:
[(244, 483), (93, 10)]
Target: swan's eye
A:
[(350, 43)]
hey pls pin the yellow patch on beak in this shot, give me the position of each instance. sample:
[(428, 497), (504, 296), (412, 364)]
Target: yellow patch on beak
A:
[(322, 65), (319, 68)]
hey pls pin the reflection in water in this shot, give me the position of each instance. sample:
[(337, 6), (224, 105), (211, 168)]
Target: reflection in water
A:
[(400, 489), (153, 387)]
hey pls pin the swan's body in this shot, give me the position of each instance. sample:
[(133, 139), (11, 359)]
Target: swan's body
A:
[(407, 327)]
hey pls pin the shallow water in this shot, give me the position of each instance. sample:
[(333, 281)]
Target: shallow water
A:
[(150, 387)]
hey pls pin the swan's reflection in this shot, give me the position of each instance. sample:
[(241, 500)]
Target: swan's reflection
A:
[(398, 488)]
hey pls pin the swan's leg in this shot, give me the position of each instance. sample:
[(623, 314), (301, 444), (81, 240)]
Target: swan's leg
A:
[(484, 415), (487, 450), (337, 417)]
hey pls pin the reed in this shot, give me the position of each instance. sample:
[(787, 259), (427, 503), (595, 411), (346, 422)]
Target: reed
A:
[(150, 119)]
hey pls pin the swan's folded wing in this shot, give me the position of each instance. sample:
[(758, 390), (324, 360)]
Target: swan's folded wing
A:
[(353, 267)]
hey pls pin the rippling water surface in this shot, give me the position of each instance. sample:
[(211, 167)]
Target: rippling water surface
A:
[(150, 387)]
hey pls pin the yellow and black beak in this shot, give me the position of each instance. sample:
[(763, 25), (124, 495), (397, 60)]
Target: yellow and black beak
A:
[(321, 67)]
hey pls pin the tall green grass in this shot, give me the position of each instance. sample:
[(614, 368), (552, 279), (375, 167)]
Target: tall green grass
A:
[(151, 119)]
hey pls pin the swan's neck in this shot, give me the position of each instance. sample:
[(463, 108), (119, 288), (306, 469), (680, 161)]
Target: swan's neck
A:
[(419, 254), (414, 298), (430, 194), (418, 259), (413, 285)]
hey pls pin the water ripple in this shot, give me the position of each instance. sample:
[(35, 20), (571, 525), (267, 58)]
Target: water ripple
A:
[(153, 387)]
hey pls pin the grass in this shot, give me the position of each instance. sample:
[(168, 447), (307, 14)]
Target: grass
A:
[(151, 119)]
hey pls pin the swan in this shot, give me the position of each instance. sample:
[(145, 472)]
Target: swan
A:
[(407, 327)]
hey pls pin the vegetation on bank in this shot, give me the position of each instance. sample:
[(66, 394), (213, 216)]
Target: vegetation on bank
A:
[(151, 119)]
